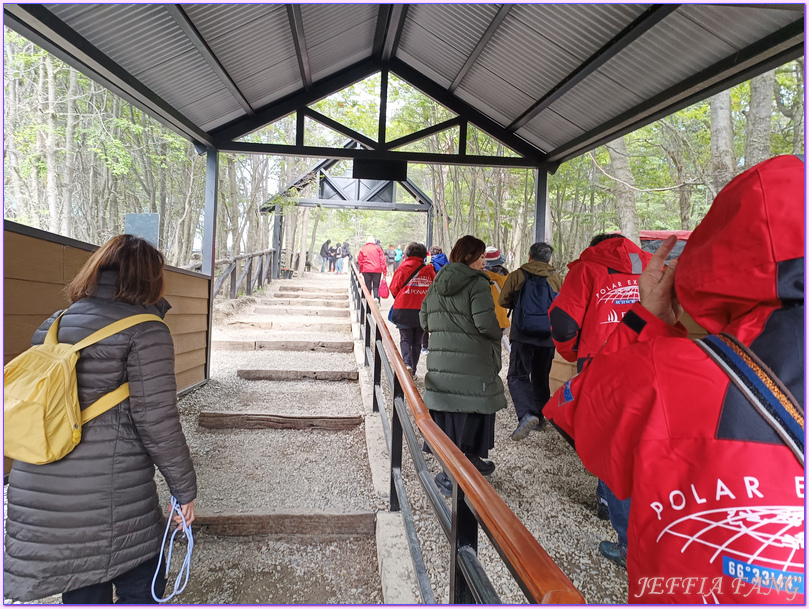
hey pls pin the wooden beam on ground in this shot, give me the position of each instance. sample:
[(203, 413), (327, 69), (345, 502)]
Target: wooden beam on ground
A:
[(298, 375), (284, 345), (318, 524), (259, 420), (302, 311)]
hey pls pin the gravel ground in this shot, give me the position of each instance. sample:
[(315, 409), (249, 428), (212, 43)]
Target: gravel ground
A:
[(545, 485)]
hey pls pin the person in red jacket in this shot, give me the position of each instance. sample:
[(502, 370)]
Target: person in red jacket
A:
[(717, 496), (409, 287), (599, 289), (371, 262)]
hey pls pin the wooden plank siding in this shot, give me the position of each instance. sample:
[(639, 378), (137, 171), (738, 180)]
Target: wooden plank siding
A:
[(37, 268)]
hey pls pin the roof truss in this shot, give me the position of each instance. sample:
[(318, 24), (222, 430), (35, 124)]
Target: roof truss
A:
[(42, 26)]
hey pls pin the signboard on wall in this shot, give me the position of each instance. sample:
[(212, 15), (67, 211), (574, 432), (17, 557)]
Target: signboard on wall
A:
[(143, 225)]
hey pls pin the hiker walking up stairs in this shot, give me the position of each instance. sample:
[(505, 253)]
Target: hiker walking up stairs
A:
[(286, 507)]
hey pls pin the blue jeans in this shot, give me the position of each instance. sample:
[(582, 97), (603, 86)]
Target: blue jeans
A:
[(323, 265), (339, 265), (619, 516)]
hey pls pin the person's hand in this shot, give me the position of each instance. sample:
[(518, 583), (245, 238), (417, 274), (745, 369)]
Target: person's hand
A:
[(188, 512), (656, 285)]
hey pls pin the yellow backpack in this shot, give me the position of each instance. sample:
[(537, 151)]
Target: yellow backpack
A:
[(42, 418)]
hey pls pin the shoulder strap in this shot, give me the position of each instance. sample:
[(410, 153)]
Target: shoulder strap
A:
[(114, 328), (762, 388), (413, 274)]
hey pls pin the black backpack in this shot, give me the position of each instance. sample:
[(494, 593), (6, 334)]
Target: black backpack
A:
[(531, 309)]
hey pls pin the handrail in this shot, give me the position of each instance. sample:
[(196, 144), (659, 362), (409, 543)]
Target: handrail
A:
[(537, 574)]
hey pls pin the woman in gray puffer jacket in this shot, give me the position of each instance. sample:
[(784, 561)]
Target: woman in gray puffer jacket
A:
[(92, 519)]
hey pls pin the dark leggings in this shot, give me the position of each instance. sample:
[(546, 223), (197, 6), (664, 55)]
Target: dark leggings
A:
[(133, 588), (410, 345), (372, 282)]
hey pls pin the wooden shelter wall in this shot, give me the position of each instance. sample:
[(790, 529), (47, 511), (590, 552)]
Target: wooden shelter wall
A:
[(37, 271)]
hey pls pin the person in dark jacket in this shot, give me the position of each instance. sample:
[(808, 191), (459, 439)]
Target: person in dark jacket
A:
[(332, 259), (409, 287), (390, 258), (531, 354), (92, 520), (324, 255), (463, 386), (718, 502)]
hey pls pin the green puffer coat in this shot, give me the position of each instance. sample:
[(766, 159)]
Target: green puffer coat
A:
[(464, 359)]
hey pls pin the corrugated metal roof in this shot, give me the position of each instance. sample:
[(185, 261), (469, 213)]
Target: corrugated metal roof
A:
[(532, 51), (442, 36), (337, 35)]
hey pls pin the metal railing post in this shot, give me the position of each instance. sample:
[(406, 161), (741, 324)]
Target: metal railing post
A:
[(464, 533), (233, 277), (396, 435), (367, 324), (248, 288), (377, 370)]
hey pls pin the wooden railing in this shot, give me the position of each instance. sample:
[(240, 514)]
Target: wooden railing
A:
[(251, 281), (475, 504)]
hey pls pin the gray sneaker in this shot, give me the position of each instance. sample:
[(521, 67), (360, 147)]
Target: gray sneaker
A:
[(526, 424)]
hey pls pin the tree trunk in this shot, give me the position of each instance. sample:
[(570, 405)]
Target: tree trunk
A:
[(624, 190), (70, 153), (722, 159), (51, 190), (759, 119)]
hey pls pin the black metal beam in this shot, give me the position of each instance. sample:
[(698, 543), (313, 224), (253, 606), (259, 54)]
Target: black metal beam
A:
[(296, 25), (776, 49), (484, 40), (646, 21), (339, 128), (43, 28), (381, 28), (193, 34), (355, 204), (297, 100), (376, 155), (393, 31), (421, 134), (467, 112)]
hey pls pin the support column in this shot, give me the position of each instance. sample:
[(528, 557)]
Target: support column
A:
[(209, 239), (429, 228), (541, 205), (276, 242)]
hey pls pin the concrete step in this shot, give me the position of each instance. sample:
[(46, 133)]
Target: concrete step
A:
[(333, 304), (300, 288), (314, 312), (283, 345), (318, 524), (292, 326), (313, 295)]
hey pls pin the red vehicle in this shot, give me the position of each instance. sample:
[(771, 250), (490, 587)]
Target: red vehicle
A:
[(650, 240)]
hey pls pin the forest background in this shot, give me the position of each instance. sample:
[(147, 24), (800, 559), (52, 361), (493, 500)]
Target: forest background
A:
[(77, 158)]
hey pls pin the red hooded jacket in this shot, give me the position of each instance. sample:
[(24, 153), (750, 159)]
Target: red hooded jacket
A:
[(600, 287), (371, 259), (408, 298), (717, 498)]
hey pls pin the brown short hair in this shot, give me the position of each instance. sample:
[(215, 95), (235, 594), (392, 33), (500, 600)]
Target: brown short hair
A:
[(467, 249), (139, 266)]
